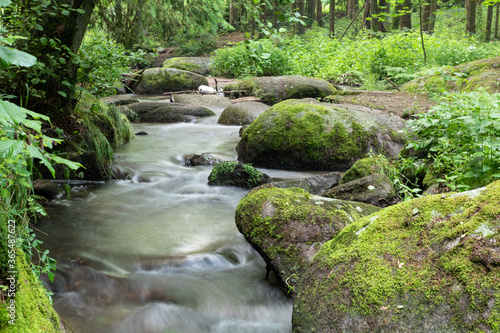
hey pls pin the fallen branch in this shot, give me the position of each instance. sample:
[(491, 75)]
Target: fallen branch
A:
[(395, 86)]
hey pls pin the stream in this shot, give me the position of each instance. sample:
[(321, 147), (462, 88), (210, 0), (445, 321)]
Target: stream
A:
[(160, 252)]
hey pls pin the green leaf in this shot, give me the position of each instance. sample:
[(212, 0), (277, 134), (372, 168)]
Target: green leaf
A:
[(5, 3), (16, 57), (12, 112), (65, 12), (9, 148), (37, 115), (415, 211), (34, 152), (72, 165), (62, 93), (33, 124)]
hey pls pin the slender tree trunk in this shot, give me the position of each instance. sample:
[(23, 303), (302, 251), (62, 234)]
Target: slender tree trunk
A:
[(311, 9), (332, 18), (395, 20), (405, 19), (373, 12), (489, 19), (319, 12), (300, 5), (351, 8), (470, 26), (366, 15), (119, 20), (233, 13), (432, 17), (426, 17), (496, 20)]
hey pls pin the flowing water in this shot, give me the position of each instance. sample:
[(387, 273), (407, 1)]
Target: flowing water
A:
[(160, 251)]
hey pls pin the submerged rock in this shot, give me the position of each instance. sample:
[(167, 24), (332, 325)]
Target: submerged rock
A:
[(289, 226), (431, 264), (232, 173), (160, 80), (309, 135), (274, 89)]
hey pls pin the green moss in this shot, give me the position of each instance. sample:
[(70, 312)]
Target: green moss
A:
[(364, 167), (431, 256), (33, 310)]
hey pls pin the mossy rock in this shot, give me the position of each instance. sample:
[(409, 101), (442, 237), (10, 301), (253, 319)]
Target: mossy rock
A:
[(472, 76), (243, 113), (309, 135), (200, 159), (289, 226), (374, 189), (119, 100), (364, 167), (208, 100), (175, 114), (161, 80), (274, 89), (131, 115), (233, 173), (196, 65), (430, 264)]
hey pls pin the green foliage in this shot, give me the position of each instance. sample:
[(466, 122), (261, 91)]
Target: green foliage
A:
[(103, 63), (461, 137), (251, 58)]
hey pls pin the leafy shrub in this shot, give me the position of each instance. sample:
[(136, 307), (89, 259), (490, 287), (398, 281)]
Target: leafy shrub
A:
[(461, 137), (103, 63), (251, 58)]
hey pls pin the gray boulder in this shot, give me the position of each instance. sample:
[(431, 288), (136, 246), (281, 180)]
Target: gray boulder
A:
[(46, 188), (289, 226), (119, 100), (208, 100), (310, 135), (196, 65), (243, 113), (374, 189), (316, 185), (157, 112), (274, 89), (161, 80), (200, 159)]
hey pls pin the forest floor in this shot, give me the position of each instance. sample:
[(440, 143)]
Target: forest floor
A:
[(402, 104)]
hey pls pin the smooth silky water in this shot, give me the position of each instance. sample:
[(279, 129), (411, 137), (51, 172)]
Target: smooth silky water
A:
[(160, 251)]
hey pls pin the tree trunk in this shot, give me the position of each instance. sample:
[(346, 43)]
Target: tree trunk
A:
[(311, 6), (405, 19), (432, 17), (374, 25), (489, 19), (426, 17), (319, 13), (352, 8), (395, 20), (366, 15), (332, 18), (470, 27), (233, 13), (496, 21), (60, 99), (301, 29)]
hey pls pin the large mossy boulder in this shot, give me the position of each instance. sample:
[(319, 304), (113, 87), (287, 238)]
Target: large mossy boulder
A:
[(274, 89), (431, 264), (198, 65), (243, 113), (309, 135), (289, 226), (472, 76), (233, 173), (158, 112), (160, 80)]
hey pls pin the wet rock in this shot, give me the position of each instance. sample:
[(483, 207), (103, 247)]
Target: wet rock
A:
[(208, 100), (243, 113), (160, 80), (316, 185), (310, 135), (200, 159), (196, 65), (289, 226), (157, 112), (119, 100), (425, 265), (232, 173), (272, 90), (374, 189), (131, 115), (46, 188), (142, 133)]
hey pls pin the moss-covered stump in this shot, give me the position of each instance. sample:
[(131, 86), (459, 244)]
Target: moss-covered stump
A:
[(243, 113), (274, 89), (374, 189), (196, 65), (431, 264), (232, 173), (32, 308), (315, 185), (288, 227), (160, 80), (309, 135), (472, 76)]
